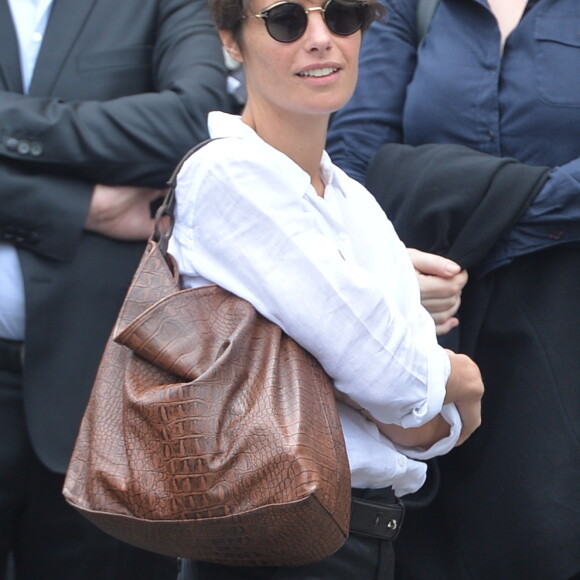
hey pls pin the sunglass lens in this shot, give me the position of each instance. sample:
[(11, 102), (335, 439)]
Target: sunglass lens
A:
[(344, 18), (286, 22)]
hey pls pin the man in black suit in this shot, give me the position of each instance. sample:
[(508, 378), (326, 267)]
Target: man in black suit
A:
[(90, 131)]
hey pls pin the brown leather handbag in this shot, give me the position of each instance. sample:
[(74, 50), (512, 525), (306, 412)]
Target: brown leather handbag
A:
[(209, 433)]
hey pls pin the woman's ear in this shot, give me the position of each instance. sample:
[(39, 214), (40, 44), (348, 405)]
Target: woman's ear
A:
[(230, 45)]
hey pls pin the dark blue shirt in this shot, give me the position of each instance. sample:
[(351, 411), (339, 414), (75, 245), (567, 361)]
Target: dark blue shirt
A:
[(459, 87)]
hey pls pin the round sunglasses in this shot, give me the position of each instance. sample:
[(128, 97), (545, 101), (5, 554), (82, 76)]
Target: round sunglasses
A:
[(287, 21)]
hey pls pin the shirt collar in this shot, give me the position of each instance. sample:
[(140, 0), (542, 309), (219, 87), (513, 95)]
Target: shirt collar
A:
[(222, 124), (332, 175)]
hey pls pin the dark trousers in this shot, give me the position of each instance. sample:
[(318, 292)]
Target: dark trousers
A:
[(360, 558), (48, 539)]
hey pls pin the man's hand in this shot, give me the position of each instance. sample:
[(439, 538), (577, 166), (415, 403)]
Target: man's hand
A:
[(122, 212), (441, 282)]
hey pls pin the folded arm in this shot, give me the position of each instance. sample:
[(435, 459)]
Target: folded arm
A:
[(57, 155), (134, 139), (257, 245)]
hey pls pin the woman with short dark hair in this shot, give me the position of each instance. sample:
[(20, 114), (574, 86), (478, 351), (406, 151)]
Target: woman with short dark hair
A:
[(263, 212)]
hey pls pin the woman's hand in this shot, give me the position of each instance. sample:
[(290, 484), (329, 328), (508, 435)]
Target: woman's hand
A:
[(465, 389), (441, 282)]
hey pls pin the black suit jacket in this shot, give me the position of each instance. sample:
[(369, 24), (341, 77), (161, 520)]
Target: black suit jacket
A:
[(121, 91)]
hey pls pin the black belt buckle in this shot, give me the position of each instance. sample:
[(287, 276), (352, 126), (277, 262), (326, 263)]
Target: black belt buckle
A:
[(376, 520), (11, 355)]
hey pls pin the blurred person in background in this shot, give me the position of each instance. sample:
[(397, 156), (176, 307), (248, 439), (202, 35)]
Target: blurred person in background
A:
[(493, 84), (99, 99)]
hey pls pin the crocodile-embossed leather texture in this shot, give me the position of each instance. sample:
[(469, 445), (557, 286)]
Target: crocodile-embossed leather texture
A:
[(210, 434)]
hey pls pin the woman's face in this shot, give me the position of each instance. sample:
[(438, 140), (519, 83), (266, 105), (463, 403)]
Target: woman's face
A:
[(314, 74)]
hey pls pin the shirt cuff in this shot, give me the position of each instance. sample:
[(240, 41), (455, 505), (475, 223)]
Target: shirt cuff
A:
[(439, 369), (450, 413)]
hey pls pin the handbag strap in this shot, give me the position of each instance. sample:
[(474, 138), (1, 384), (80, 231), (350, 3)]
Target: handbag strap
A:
[(164, 227)]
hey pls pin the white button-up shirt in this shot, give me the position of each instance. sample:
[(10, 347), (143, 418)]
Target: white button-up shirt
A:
[(332, 273)]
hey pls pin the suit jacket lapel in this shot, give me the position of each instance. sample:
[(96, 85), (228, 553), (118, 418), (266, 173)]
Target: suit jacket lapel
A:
[(64, 25), (10, 75)]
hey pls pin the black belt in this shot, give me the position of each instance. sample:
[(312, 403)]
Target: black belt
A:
[(11, 354), (376, 519)]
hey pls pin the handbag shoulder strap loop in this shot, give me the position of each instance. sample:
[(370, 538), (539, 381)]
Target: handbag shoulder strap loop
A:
[(165, 214)]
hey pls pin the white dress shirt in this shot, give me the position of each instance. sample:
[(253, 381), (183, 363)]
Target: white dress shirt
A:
[(30, 18), (332, 273)]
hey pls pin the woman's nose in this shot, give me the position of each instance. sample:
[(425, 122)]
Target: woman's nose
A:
[(317, 32)]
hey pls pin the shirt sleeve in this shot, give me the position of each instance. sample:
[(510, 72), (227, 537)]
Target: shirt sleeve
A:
[(136, 138), (552, 219), (263, 244)]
